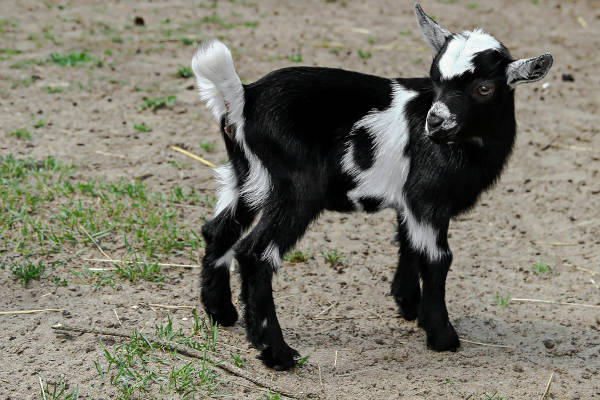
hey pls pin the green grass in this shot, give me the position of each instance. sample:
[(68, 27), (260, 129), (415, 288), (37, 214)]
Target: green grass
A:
[(157, 102), (72, 59), (21, 134), (40, 123), (472, 6), (297, 256), (53, 90), (207, 146), (44, 212), (137, 368), (142, 127), (364, 54), (334, 259), (58, 391), (184, 72), (295, 57), (502, 301), (540, 268), (28, 272)]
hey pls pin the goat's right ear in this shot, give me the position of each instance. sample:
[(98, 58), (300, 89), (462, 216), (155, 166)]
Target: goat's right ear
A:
[(435, 35), (528, 69)]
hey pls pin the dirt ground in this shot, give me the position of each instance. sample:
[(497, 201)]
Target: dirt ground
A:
[(545, 209)]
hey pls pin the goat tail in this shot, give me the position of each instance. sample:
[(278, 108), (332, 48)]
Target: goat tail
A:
[(218, 84)]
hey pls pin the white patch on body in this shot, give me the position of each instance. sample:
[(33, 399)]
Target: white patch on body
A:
[(441, 110), (389, 130), (458, 57), (225, 260), (227, 194), (221, 88), (386, 177), (272, 255)]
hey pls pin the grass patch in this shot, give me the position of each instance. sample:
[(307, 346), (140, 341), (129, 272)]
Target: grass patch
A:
[(72, 59), (539, 268), (297, 256), (142, 127), (137, 368), (157, 102), (184, 72), (28, 272), (295, 57), (364, 54), (21, 134), (58, 391), (44, 212), (502, 301)]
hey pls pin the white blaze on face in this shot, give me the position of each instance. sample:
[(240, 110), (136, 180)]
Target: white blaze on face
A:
[(458, 57)]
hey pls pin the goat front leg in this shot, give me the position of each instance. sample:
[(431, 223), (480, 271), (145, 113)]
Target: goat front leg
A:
[(433, 315), (405, 286)]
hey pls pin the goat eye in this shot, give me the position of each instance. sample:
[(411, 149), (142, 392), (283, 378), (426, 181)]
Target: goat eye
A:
[(485, 90)]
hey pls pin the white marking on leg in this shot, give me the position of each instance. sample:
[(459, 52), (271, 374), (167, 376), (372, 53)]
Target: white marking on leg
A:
[(422, 236), (389, 130), (462, 48), (225, 260), (228, 193), (264, 323), (272, 255)]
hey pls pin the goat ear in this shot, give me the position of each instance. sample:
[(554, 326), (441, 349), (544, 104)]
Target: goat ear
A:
[(528, 69), (435, 35)]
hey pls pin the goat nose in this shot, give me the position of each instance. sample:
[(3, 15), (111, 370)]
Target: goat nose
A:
[(434, 121)]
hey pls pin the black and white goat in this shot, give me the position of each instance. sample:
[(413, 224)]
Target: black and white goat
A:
[(302, 140)]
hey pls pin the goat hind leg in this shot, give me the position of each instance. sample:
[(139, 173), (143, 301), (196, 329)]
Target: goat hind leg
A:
[(259, 255), (220, 235)]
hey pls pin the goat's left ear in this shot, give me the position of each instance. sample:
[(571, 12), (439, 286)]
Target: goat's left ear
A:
[(434, 33), (528, 69)]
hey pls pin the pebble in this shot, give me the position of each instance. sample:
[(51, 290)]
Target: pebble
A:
[(549, 343), (518, 368)]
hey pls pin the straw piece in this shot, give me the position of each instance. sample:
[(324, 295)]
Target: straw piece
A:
[(109, 260), (195, 157), (547, 386), (31, 311), (561, 303), (486, 344)]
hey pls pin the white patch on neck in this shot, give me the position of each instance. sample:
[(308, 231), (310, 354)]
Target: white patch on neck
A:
[(389, 131), (272, 255), (458, 57)]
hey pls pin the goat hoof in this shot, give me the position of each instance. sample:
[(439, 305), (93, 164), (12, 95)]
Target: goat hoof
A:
[(225, 316), (280, 358), (408, 309), (444, 339)]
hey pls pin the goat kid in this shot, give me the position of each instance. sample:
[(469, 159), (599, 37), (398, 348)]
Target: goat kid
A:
[(302, 140)]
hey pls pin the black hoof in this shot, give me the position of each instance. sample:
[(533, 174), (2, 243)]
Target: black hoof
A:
[(443, 339), (225, 315), (408, 309), (280, 358)]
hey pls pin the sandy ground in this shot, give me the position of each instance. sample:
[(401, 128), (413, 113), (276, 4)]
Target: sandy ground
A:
[(546, 208)]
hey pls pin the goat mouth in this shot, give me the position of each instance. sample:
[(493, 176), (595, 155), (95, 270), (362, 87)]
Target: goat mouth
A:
[(444, 136)]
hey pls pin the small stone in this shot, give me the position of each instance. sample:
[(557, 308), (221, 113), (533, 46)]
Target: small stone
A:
[(549, 343), (518, 368)]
